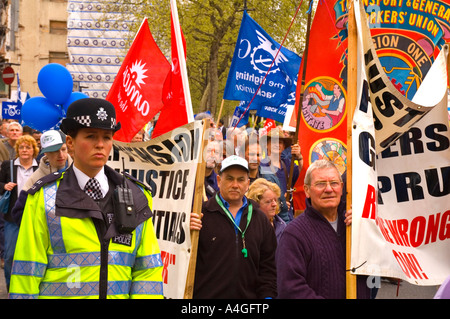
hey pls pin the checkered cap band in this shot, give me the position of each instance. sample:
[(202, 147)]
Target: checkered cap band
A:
[(91, 113), (84, 120)]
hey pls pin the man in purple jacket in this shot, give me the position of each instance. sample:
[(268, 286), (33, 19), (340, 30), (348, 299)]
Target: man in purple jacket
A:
[(311, 255)]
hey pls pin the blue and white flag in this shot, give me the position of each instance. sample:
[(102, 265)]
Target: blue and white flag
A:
[(253, 56), (240, 117), (277, 113)]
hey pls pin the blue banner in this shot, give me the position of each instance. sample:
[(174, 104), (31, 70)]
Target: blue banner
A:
[(239, 112), (11, 110), (277, 113), (253, 56)]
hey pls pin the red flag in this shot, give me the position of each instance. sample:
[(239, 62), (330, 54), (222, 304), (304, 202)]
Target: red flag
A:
[(269, 125), (321, 134), (177, 109), (137, 89)]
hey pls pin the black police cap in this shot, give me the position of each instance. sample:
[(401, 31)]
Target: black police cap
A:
[(91, 113)]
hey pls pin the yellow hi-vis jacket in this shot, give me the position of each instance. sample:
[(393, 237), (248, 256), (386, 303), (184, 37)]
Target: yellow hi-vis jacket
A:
[(60, 253)]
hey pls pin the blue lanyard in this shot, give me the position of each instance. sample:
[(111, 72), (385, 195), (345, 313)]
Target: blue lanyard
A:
[(230, 216)]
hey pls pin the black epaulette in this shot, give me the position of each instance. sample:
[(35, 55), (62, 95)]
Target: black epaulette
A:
[(50, 178), (138, 182)]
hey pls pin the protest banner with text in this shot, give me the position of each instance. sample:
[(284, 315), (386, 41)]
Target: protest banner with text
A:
[(401, 184)]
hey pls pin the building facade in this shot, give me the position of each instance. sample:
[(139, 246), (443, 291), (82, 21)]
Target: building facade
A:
[(35, 35)]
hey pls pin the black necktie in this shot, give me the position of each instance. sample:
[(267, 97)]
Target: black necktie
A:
[(93, 190)]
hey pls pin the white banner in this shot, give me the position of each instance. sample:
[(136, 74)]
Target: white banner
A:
[(400, 196), (167, 165)]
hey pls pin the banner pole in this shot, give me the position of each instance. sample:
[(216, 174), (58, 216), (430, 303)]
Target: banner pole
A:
[(254, 122), (197, 207), (302, 90), (220, 111), (182, 60), (352, 101)]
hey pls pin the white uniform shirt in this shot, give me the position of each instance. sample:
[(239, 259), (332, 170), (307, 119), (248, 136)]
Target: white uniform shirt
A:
[(101, 177)]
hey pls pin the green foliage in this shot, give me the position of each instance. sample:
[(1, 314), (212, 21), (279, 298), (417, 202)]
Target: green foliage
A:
[(211, 28)]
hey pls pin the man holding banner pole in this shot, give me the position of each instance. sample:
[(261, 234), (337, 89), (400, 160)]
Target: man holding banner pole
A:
[(236, 249), (311, 252)]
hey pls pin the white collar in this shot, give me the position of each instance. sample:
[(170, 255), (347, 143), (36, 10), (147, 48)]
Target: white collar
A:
[(17, 162), (82, 179)]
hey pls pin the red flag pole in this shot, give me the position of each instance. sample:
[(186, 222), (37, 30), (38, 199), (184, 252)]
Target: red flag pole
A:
[(176, 96), (182, 60)]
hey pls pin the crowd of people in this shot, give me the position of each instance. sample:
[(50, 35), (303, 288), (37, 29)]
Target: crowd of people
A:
[(251, 245)]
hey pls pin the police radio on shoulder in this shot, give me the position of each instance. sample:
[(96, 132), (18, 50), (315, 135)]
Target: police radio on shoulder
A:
[(124, 206)]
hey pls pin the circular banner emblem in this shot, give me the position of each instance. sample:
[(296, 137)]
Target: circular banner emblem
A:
[(404, 60), (330, 149), (324, 104)]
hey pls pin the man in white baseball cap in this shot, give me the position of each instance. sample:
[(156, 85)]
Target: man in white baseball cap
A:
[(236, 241), (234, 160), (52, 140), (56, 157)]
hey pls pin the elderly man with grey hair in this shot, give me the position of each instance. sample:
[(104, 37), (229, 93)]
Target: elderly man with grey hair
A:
[(311, 255), (13, 132)]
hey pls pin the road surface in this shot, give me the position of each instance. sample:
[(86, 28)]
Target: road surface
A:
[(386, 291)]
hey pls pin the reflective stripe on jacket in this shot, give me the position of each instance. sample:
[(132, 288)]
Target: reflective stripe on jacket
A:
[(62, 257)]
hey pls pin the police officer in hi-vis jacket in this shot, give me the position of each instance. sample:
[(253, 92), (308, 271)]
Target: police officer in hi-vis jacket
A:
[(87, 232)]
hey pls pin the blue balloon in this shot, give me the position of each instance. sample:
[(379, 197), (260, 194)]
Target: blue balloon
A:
[(55, 82), (72, 98), (40, 114)]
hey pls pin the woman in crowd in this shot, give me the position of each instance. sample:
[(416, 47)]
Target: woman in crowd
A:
[(22, 168), (267, 195)]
